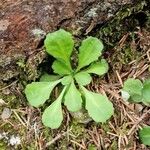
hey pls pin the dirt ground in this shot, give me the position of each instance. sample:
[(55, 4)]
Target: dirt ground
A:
[(123, 26)]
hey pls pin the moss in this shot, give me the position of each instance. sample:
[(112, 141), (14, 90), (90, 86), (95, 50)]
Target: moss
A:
[(123, 21), (9, 98), (114, 145), (3, 145), (8, 67), (106, 127), (77, 129), (92, 147), (123, 56), (32, 65)]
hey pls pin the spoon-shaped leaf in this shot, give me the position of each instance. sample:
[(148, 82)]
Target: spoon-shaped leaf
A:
[(134, 88), (52, 116), (145, 135), (83, 78), (60, 44), (61, 68), (38, 92), (99, 68), (89, 51), (67, 80), (49, 78), (146, 91), (98, 106), (73, 99)]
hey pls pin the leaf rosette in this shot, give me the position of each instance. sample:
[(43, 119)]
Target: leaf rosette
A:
[(136, 91), (60, 45)]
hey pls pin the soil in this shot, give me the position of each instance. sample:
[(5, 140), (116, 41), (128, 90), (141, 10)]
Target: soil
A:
[(123, 26)]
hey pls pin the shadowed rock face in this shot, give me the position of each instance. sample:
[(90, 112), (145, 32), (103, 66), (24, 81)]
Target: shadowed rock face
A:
[(24, 23)]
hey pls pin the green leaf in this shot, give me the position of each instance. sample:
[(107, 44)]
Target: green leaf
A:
[(48, 78), (146, 91), (83, 78), (134, 88), (145, 135), (73, 99), (67, 80), (92, 147), (147, 82), (52, 116), (98, 68), (60, 44), (38, 92), (61, 68), (98, 106), (89, 51)]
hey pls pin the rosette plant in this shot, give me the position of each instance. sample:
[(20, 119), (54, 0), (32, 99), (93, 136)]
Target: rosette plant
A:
[(136, 91), (74, 95)]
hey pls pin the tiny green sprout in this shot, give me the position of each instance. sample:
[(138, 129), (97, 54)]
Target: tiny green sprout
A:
[(144, 135), (136, 91), (60, 45)]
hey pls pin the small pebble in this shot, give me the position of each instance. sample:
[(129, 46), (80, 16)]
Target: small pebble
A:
[(4, 24), (14, 140), (6, 113)]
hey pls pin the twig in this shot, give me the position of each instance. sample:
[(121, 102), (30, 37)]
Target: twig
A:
[(119, 78), (59, 136), (119, 142), (8, 85), (19, 118), (117, 96), (142, 71), (112, 134), (137, 122), (148, 55), (78, 144)]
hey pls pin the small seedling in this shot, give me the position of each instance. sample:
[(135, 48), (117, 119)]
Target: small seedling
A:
[(74, 95), (136, 91), (144, 134)]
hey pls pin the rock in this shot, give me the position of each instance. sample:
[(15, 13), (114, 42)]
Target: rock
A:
[(14, 140), (4, 24), (23, 25), (138, 108), (81, 116), (6, 113)]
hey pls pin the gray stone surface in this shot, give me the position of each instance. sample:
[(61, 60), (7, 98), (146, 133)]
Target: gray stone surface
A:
[(24, 23)]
